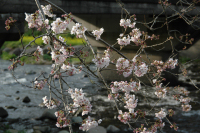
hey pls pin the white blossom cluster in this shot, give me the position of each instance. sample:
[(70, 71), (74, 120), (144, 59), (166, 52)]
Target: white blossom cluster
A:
[(125, 87), (127, 23), (61, 56), (59, 26), (35, 21), (124, 117), (62, 121), (124, 41), (88, 124), (70, 69), (161, 66), (185, 103), (40, 50), (141, 69), (50, 104), (46, 39), (135, 34), (58, 46), (127, 67), (78, 30), (161, 92), (40, 85), (80, 101), (58, 58), (161, 114), (131, 102), (97, 33), (46, 10), (104, 61)]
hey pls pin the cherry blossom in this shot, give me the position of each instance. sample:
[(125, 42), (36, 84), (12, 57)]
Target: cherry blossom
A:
[(104, 61), (35, 21), (125, 86), (186, 108), (80, 101), (141, 70), (88, 124), (46, 9), (59, 26), (62, 121), (161, 114), (40, 85), (124, 117), (50, 104), (40, 50), (161, 66), (126, 23), (185, 100), (131, 103), (70, 69), (46, 39), (97, 33), (78, 30), (124, 41)]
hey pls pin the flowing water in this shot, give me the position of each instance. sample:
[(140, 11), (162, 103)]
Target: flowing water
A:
[(24, 114)]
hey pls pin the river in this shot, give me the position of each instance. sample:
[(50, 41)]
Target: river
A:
[(12, 94)]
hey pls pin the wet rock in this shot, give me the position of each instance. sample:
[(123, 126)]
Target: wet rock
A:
[(45, 129), (37, 131), (46, 120), (5, 69), (98, 129), (17, 98), (7, 50), (30, 72), (7, 95), (55, 130), (85, 76), (16, 51), (112, 129), (13, 120), (10, 107), (11, 131), (26, 99), (3, 112), (29, 131), (63, 131), (77, 119), (31, 50), (49, 114)]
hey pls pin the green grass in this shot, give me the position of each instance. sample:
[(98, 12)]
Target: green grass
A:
[(7, 56), (183, 60), (39, 41)]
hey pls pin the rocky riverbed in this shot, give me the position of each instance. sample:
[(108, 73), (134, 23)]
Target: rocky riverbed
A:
[(21, 108)]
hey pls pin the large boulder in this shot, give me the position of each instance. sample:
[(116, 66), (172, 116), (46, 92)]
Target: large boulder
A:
[(49, 114), (63, 131), (16, 51), (77, 119), (26, 99), (112, 129), (98, 129), (44, 129), (3, 112), (11, 131)]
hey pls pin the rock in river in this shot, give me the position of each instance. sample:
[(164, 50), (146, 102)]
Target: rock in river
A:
[(3, 112), (26, 99)]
